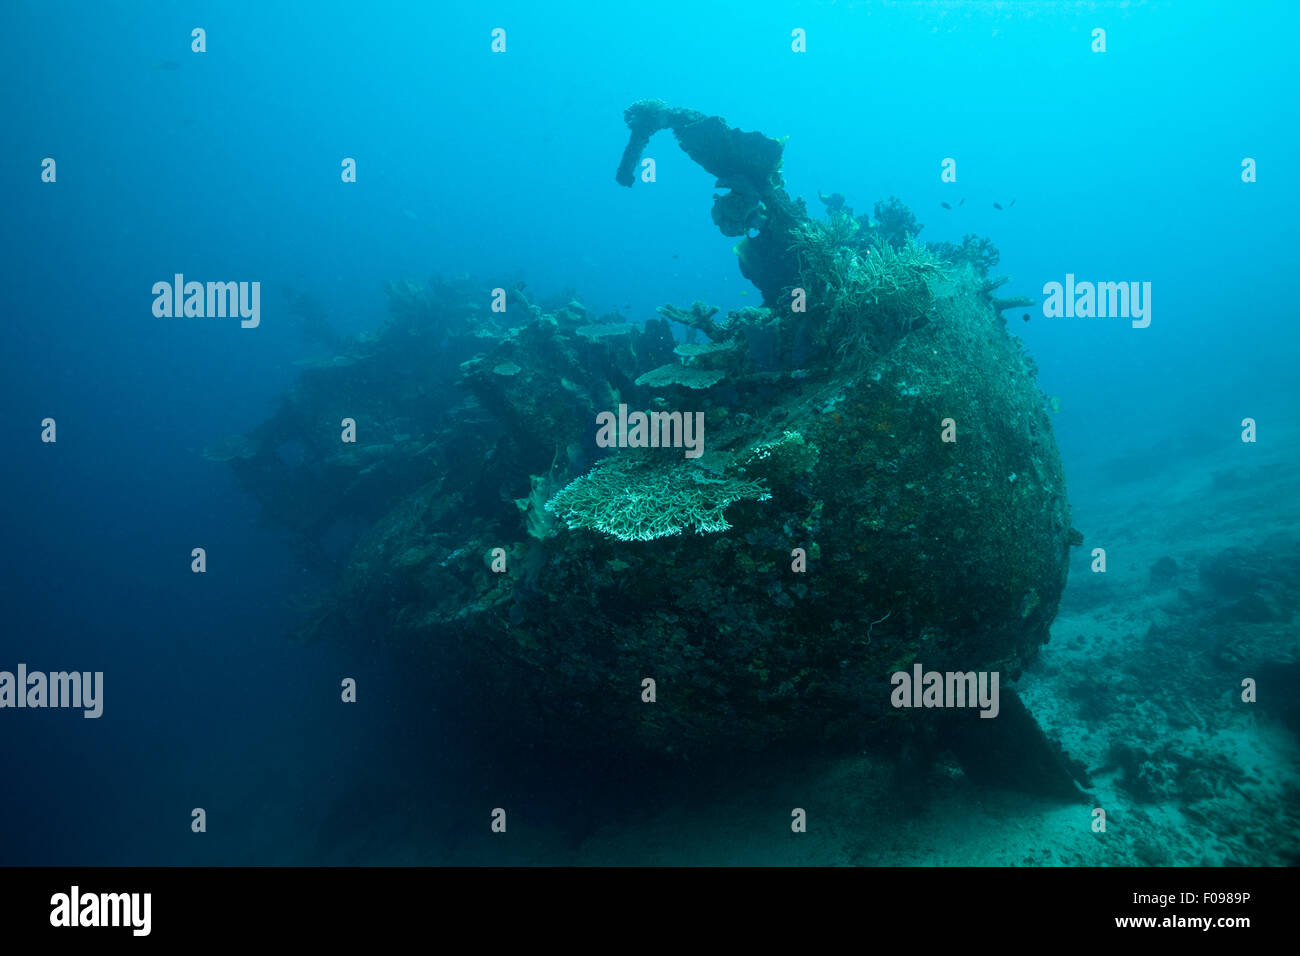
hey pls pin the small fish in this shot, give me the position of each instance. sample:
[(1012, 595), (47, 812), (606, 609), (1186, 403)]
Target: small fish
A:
[(1013, 202), (1025, 316), (945, 205), (1054, 405), (963, 199), (997, 206), (627, 307), (744, 293), (674, 255)]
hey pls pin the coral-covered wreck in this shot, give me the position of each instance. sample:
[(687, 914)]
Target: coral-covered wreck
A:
[(879, 487)]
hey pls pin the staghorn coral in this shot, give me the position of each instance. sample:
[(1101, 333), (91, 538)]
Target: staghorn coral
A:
[(868, 296), (978, 252), (895, 222)]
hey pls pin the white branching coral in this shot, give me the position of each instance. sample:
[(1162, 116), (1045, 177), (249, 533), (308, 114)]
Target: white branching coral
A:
[(632, 498)]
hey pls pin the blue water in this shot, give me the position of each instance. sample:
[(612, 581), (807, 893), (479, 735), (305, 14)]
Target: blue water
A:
[(226, 165)]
